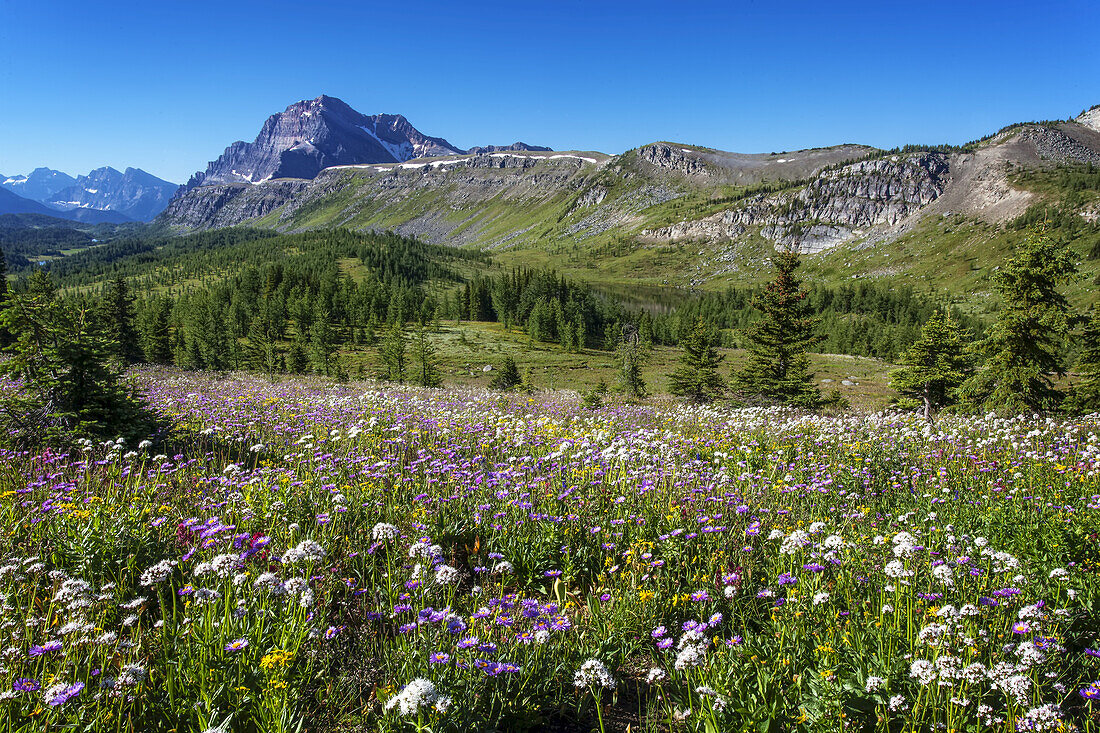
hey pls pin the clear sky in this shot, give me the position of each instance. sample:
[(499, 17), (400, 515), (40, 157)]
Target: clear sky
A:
[(166, 85)]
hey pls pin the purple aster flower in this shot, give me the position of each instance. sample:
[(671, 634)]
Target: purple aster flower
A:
[(1092, 692), (469, 641), (786, 579), (439, 658), (236, 645), (49, 646), (664, 643), (65, 694), (658, 632), (25, 684)]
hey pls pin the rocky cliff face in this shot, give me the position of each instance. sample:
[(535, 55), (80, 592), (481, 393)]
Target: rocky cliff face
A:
[(836, 206), (315, 134), (135, 194), (1090, 118)]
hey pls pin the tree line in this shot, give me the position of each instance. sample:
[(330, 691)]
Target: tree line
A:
[(298, 312)]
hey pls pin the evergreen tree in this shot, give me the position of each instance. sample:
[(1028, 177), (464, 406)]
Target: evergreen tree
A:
[(118, 312), (697, 376), (935, 365), (323, 341), (62, 351), (507, 376), (427, 370), (1085, 396), (5, 337), (778, 367), (261, 352), (632, 356), (392, 350), (296, 360), (156, 336), (1023, 351)]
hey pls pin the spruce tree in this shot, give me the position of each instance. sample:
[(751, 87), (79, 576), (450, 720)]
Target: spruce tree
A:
[(118, 312), (156, 336), (5, 337), (62, 352), (778, 367), (427, 369), (296, 360), (697, 376), (632, 355), (323, 341), (507, 376), (392, 350), (1085, 396), (1023, 351), (934, 366), (261, 352)]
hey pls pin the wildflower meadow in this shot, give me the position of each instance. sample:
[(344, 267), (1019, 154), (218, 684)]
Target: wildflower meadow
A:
[(303, 555)]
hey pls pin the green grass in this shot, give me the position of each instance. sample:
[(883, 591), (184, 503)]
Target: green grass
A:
[(464, 349)]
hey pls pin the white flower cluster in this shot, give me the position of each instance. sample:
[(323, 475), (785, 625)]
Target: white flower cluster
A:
[(593, 673), (383, 532), (158, 573), (306, 551), (417, 694), (794, 542)]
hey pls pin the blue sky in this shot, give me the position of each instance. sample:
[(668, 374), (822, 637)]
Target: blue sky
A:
[(165, 86)]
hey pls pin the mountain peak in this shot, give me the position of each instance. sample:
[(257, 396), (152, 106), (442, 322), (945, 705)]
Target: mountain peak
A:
[(314, 134)]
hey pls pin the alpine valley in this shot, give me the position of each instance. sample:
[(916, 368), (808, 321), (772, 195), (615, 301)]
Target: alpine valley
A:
[(936, 217)]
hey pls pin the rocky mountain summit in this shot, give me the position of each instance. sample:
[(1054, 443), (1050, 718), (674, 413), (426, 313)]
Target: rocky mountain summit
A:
[(134, 193), (315, 134)]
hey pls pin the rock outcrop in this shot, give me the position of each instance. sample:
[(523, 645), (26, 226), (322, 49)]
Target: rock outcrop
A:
[(836, 206), (514, 147)]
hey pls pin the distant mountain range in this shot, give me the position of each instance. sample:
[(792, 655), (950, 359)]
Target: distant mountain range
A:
[(104, 195)]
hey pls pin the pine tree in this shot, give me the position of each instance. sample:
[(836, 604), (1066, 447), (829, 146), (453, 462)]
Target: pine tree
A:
[(1086, 392), (697, 376), (1023, 351), (507, 376), (632, 356), (261, 352), (392, 350), (427, 370), (296, 360), (778, 367), (323, 340), (62, 352), (5, 337), (118, 312), (156, 336), (934, 365)]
